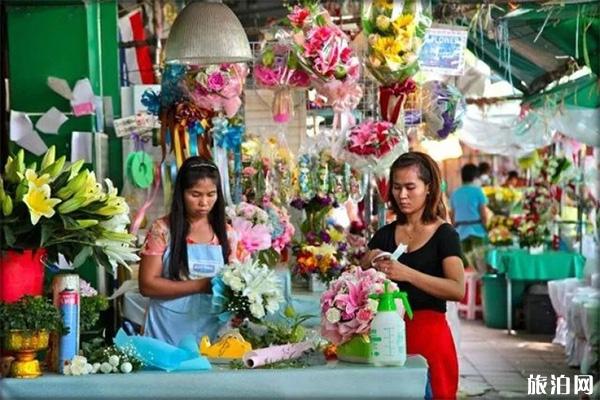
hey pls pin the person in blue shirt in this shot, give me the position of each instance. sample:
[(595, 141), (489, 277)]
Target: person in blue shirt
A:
[(469, 209)]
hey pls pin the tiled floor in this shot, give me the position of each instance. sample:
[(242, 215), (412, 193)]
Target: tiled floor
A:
[(494, 365)]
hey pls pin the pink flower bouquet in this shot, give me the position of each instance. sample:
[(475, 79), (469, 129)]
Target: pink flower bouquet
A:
[(346, 309), (324, 51), (277, 68), (252, 229), (373, 146), (218, 87)]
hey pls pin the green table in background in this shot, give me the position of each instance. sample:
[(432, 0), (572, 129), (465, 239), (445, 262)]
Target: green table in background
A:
[(518, 264)]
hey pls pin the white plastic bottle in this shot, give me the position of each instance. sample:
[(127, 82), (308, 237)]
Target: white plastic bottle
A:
[(388, 333)]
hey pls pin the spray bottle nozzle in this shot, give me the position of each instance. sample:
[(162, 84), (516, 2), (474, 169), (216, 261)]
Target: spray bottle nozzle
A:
[(387, 300)]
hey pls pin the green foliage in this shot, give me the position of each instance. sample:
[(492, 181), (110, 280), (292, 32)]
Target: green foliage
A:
[(276, 333), (31, 314), (90, 311)]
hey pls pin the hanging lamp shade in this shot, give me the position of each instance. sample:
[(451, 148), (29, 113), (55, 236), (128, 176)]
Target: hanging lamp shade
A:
[(207, 33)]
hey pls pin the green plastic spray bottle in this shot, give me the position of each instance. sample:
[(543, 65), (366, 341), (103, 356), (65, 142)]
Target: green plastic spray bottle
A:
[(388, 333)]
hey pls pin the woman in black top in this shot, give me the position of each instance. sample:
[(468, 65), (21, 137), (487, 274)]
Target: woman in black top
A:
[(430, 271)]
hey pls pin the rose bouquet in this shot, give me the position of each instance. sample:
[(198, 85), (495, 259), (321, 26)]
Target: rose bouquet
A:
[(252, 229), (217, 87), (501, 200), (373, 146), (346, 309), (246, 290)]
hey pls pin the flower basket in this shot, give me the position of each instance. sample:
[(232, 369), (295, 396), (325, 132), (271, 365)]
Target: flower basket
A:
[(356, 350)]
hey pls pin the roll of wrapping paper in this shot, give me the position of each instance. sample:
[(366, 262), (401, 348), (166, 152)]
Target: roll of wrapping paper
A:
[(270, 355), (65, 294)]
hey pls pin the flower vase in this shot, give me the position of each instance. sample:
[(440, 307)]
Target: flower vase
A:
[(21, 273), (25, 345), (356, 350), (315, 284), (539, 249)]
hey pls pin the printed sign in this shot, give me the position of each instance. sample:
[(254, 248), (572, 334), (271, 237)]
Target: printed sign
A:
[(443, 50)]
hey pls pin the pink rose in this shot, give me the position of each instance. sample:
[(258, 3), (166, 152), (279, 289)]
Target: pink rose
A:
[(216, 81)]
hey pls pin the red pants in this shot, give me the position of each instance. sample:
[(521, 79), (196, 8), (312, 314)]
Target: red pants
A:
[(428, 334)]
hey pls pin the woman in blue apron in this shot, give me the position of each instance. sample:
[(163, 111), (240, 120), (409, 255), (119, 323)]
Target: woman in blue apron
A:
[(181, 254)]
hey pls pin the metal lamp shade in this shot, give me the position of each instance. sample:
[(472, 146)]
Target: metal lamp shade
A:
[(207, 33)]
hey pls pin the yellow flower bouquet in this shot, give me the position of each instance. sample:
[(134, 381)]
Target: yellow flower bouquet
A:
[(502, 199), (64, 210), (395, 36)]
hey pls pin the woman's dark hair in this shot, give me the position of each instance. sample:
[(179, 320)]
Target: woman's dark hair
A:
[(429, 173), (192, 170), (469, 172), (484, 168)]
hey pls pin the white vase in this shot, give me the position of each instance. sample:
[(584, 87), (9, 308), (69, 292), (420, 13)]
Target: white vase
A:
[(539, 249), (315, 284)]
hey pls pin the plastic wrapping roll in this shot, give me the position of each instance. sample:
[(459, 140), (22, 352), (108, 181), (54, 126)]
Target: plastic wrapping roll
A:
[(270, 355)]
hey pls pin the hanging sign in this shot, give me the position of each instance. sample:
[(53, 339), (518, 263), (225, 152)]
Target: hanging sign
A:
[(444, 50)]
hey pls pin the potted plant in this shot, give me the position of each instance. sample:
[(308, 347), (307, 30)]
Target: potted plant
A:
[(25, 326), (57, 209)]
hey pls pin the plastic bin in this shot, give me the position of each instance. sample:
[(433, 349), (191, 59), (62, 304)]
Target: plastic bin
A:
[(494, 300), (539, 313)]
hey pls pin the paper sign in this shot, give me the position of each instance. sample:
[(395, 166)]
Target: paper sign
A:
[(83, 98), (443, 50), (51, 121), (23, 134), (60, 86), (81, 146)]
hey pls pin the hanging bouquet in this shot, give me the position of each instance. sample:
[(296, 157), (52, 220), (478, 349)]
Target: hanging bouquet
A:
[(252, 229), (501, 200), (443, 109), (277, 68), (246, 290), (395, 34), (324, 51), (346, 309), (373, 146), (218, 87), (64, 210)]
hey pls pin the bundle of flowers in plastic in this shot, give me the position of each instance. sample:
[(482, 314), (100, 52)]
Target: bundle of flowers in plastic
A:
[(373, 146), (277, 68), (346, 309), (323, 50), (443, 109), (217, 87), (246, 290), (395, 35)]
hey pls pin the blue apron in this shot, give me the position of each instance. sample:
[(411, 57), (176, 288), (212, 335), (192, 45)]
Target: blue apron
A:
[(170, 320)]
